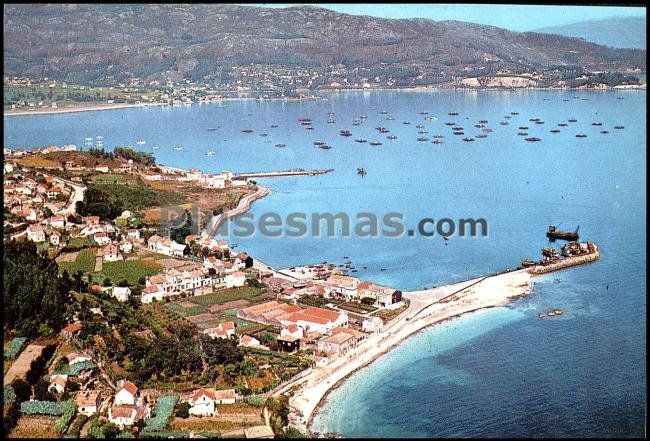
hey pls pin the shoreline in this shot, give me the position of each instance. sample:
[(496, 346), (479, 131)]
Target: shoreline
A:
[(420, 89), (309, 393)]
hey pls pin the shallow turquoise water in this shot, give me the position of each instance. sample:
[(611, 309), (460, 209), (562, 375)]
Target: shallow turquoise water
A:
[(497, 372)]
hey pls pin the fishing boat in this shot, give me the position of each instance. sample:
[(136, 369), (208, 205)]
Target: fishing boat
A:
[(356, 122), (324, 146), (424, 113), (504, 123), (309, 128), (483, 121), (514, 113), (422, 139), (486, 130), (479, 126), (572, 120), (317, 143), (458, 133), (391, 137), (330, 114), (596, 124), (507, 117), (273, 126), (523, 127), (423, 132), (406, 122), (539, 122), (211, 129), (177, 147), (581, 135), (534, 119), (375, 143), (304, 119), (522, 133), (604, 132), (554, 130), (210, 153), (481, 135), (330, 121), (436, 141), (88, 139), (155, 147), (361, 171), (389, 118), (468, 139), (562, 124), (554, 233), (345, 133), (247, 130), (363, 117), (264, 134), (457, 128), (383, 112), (532, 139), (384, 130), (453, 113), (419, 126), (361, 140), (438, 136), (280, 145), (450, 123), (619, 127)]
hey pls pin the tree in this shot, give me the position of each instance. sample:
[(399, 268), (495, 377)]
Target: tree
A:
[(183, 410), (247, 367), (123, 283), (106, 281), (221, 351)]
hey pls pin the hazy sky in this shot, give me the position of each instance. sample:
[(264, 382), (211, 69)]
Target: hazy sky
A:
[(513, 17)]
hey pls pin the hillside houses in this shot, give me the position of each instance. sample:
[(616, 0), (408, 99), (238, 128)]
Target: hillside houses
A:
[(165, 245), (173, 282)]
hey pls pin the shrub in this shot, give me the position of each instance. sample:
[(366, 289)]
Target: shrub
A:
[(15, 347), (69, 410), (164, 409), (42, 408)]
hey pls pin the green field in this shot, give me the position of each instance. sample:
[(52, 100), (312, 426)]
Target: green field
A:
[(84, 262), (131, 270), (228, 295), (183, 311)]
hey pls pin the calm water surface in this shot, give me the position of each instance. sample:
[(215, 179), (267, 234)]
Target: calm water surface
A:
[(500, 372)]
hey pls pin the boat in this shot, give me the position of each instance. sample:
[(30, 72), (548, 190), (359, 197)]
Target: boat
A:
[(361, 140), (504, 123), (581, 135), (317, 143), (304, 119), (604, 132), (361, 171), (406, 122), (306, 123), (356, 122), (280, 145), (211, 129), (527, 262), (384, 130), (309, 128), (436, 141), (572, 120), (424, 113), (539, 122), (619, 127), (423, 132), (514, 113), (210, 153), (247, 131), (330, 121), (88, 139), (486, 130), (468, 139), (419, 126), (479, 126), (450, 123), (382, 269), (264, 134), (550, 252), (522, 133), (345, 133), (554, 130), (383, 112), (177, 147), (437, 136), (458, 133), (422, 139), (389, 118), (363, 117), (273, 126), (507, 117), (534, 119), (554, 233), (155, 147), (562, 124), (375, 143), (532, 139), (457, 128), (481, 135), (596, 124), (523, 127), (324, 146), (483, 121), (453, 113), (330, 114), (391, 137)]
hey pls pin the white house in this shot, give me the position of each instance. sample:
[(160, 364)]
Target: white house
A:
[(36, 233), (101, 238), (121, 294), (203, 403), (126, 394), (133, 234), (225, 396), (236, 279), (55, 237), (57, 383), (88, 402), (151, 293), (126, 247), (57, 222), (74, 358), (122, 415), (251, 342), (223, 330), (109, 253)]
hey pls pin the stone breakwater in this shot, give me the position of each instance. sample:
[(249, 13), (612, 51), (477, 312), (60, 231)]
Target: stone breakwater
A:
[(566, 263)]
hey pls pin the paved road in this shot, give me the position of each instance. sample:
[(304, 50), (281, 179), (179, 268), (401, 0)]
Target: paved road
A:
[(77, 195)]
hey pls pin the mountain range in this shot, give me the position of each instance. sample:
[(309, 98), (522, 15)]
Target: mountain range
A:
[(620, 32), (108, 43)]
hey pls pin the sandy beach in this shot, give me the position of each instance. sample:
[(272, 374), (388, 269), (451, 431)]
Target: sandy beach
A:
[(426, 308), (82, 108)]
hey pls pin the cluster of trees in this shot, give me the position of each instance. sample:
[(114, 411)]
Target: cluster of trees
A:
[(36, 297), (139, 157)]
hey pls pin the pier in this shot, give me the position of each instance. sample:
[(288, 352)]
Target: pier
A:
[(566, 262), (277, 174)]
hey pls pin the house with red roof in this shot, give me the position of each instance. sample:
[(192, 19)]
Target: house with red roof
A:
[(203, 403), (127, 393)]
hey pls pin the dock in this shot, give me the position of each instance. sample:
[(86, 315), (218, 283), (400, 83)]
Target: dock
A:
[(566, 262), (278, 174)]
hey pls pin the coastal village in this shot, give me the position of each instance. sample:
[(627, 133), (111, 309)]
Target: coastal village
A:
[(278, 323)]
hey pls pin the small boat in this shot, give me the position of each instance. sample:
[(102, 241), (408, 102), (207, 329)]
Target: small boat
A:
[(438, 136), (317, 143), (406, 122), (596, 124), (562, 124), (523, 127), (554, 130), (247, 130), (306, 123), (345, 133), (419, 126), (155, 147), (423, 132), (458, 133), (309, 128), (581, 135), (361, 171), (384, 130), (330, 121), (479, 126), (273, 126), (554, 233), (382, 269), (424, 113), (619, 127), (211, 129), (389, 118), (280, 145), (534, 119), (450, 123), (514, 113), (481, 135), (264, 134), (532, 139), (356, 122), (179, 148), (361, 140), (324, 146), (436, 141), (330, 114), (391, 137), (422, 139), (210, 153), (604, 132), (468, 139), (453, 113), (504, 123), (375, 143), (383, 112), (539, 122), (304, 119), (486, 130), (88, 139), (363, 117), (507, 117), (483, 121), (572, 120)]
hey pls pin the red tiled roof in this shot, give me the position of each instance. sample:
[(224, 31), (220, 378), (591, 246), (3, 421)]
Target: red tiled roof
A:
[(122, 411), (130, 388), (207, 392), (74, 327)]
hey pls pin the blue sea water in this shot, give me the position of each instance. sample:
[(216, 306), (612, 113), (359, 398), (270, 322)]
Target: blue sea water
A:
[(499, 372)]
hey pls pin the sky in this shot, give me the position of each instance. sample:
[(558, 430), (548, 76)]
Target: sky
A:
[(513, 17)]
